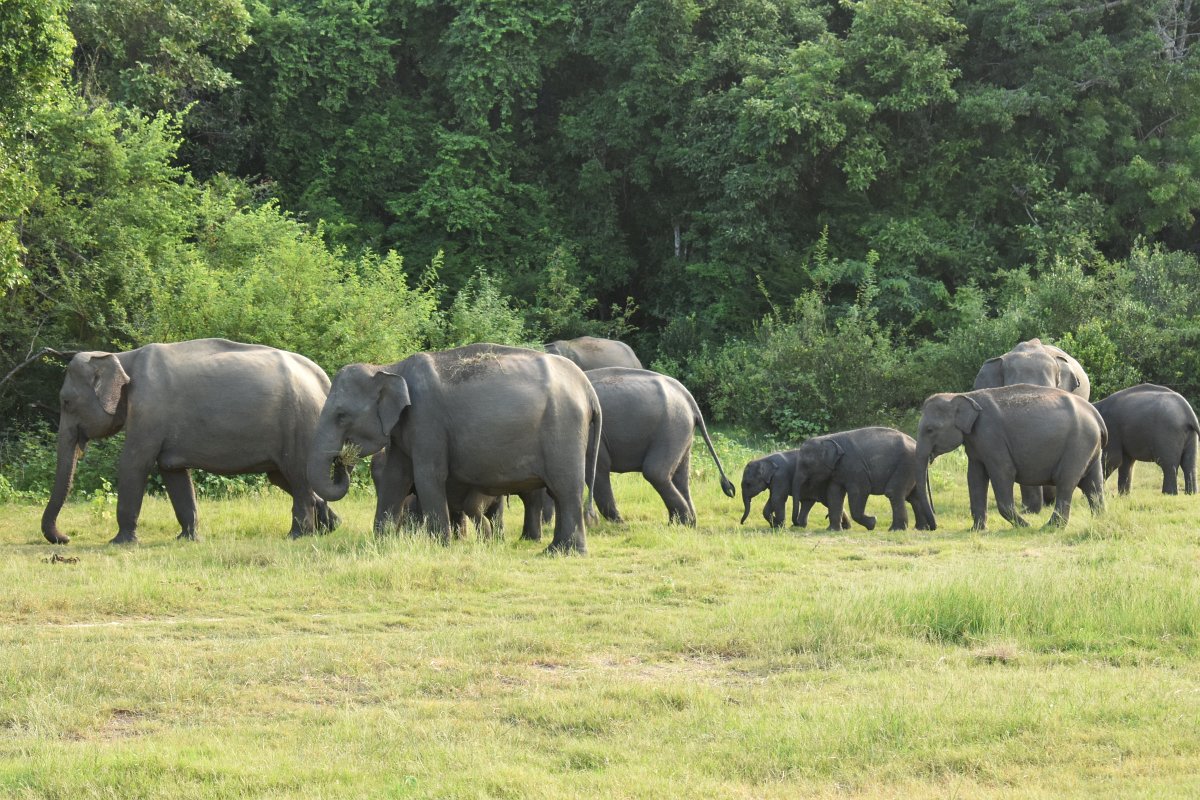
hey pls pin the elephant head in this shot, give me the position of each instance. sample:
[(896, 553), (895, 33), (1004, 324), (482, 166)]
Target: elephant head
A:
[(90, 407), (1029, 362), (945, 420), (365, 403)]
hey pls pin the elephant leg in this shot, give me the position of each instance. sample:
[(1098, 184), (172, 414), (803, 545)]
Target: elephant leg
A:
[(431, 488), (533, 500), (1170, 471), (899, 512), (858, 507), (1006, 502), (393, 483), (977, 489), (1188, 463), (567, 488), (327, 519), (182, 493), (548, 505), (494, 514), (658, 469), (1062, 511), (1125, 476), (602, 493), (800, 515), (1031, 498), (133, 470), (1093, 486), (835, 497), (682, 484), (303, 507)]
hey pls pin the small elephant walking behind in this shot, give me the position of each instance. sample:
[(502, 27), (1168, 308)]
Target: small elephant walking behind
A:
[(1032, 435), (858, 463), (774, 474), (1150, 423), (650, 422)]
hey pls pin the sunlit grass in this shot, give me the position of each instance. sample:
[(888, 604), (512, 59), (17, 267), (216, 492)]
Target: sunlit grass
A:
[(720, 661)]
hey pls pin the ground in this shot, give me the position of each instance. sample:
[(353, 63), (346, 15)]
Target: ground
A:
[(721, 661)]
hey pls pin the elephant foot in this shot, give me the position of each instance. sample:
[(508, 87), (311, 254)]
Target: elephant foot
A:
[(564, 549), (979, 525), (328, 522), (54, 537), (1020, 522), (296, 533), (896, 527), (189, 536), (868, 523), (530, 537), (124, 538)]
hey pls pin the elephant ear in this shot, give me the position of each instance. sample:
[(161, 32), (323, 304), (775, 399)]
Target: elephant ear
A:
[(991, 374), (966, 413), (109, 380), (831, 453), (393, 399), (1067, 379)]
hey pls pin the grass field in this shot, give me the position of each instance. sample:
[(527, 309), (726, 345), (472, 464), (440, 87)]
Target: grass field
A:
[(724, 661)]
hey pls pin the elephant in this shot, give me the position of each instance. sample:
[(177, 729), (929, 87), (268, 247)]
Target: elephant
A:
[(858, 463), (651, 420), (1031, 434), (591, 352), (774, 472), (1150, 423), (1041, 365), (485, 511), (484, 417), (208, 404)]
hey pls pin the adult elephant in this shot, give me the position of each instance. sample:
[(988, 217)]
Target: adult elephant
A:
[(591, 352), (1030, 434), (1040, 365), (489, 418), (856, 464), (651, 421), (208, 404), (1148, 422), (774, 474)]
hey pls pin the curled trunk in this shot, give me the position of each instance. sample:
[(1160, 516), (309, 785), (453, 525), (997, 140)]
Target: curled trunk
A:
[(328, 476), (746, 498), (70, 447)]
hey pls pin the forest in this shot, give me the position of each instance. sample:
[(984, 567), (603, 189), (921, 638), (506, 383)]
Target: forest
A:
[(814, 213)]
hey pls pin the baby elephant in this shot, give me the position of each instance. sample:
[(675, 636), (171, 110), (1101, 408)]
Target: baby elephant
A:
[(775, 473), (1150, 423), (860, 463)]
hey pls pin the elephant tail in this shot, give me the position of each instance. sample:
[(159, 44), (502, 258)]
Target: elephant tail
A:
[(593, 447), (698, 421)]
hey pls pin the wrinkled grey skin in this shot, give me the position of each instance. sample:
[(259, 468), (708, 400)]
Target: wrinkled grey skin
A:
[(1150, 423), (484, 511), (650, 423), (858, 463), (775, 473), (208, 404), (1030, 434), (494, 419), (591, 352), (1041, 365)]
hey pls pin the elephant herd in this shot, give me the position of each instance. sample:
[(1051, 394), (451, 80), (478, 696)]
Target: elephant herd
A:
[(1027, 421), (452, 433)]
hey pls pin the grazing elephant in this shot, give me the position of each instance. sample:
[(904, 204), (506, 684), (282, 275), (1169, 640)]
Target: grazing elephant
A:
[(859, 463), (1041, 365), (590, 352), (775, 473), (208, 404), (1030, 434), (484, 417), (651, 423), (1150, 423)]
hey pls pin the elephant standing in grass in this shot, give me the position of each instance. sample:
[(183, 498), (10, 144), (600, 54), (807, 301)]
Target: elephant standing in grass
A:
[(208, 404), (1041, 365), (1030, 434), (591, 352), (774, 473), (650, 423), (859, 463), (1150, 423), (485, 418)]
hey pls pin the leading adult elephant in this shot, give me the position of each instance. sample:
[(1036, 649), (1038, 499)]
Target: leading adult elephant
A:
[(208, 404), (1148, 422), (1030, 434), (485, 417), (591, 352), (1039, 365)]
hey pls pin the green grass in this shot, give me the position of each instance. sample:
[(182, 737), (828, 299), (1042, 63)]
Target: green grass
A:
[(724, 661)]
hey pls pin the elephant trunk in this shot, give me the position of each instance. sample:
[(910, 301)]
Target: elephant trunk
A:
[(327, 473), (71, 444), (924, 491), (747, 496)]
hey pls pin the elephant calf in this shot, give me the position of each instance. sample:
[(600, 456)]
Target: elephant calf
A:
[(1150, 423), (859, 463), (775, 473), (1033, 435), (650, 421)]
